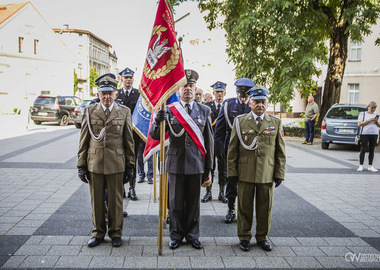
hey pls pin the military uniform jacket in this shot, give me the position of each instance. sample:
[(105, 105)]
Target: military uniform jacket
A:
[(214, 113), (183, 156), (116, 150), (264, 163), (222, 129), (129, 101)]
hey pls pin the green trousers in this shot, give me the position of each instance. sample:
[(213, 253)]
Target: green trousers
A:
[(262, 194)]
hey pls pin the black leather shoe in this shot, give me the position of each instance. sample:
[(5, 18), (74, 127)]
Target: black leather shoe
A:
[(94, 242), (207, 197), (244, 245), (167, 219), (265, 245), (116, 242), (196, 244), (222, 197), (132, 195), (125, 214), (174, 244), (230, 217), (141, 180), (150, 181)]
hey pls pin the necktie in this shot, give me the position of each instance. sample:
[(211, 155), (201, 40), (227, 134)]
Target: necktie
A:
[(259, 120), (243, 106), (188, 109), (107, 112), (218, 108), (127, 93)]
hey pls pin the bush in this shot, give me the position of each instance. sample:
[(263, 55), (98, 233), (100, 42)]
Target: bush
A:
[(300, 132)]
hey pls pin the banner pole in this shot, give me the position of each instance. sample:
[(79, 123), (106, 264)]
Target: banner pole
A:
[(165, 199), (162, 184), (155, 177)]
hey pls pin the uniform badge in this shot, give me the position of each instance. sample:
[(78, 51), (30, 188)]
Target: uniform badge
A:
[(118, 128), (271, 128), (199, 119), (172, 121), (246, 138)]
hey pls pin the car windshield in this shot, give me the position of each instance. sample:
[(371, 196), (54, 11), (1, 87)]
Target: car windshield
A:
[(85, 103), (44, 100), (345, 112)]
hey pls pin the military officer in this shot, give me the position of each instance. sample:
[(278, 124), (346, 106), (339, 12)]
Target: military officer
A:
[(256, 160), (219, 91), (106, 159), (128, 96), (189, 160), (231, 108)]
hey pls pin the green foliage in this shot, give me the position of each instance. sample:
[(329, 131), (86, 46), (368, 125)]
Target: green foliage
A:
[(281, 43), (300, 132), (75, 82), (93, 76)]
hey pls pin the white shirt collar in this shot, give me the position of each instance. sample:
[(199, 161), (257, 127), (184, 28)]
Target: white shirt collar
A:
[(129, 91), (110, 108), (183, 103), (216, 104), (255, 116), (246, 103)]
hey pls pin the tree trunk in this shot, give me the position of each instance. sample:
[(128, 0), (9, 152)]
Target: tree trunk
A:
[(335, 70)]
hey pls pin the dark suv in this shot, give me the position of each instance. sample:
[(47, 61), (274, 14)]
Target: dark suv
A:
[(54, 109)]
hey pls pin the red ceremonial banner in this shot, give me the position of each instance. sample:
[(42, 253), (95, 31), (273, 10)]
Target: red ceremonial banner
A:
[(163, 71)]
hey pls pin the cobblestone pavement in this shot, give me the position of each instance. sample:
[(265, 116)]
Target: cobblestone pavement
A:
[(325, 215)]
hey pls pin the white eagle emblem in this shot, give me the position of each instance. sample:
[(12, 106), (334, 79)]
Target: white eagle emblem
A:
[(157, 51)]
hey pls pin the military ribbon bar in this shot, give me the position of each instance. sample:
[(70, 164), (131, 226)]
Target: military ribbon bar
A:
[(189, 125)]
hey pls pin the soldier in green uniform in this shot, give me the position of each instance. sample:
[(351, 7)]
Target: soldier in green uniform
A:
[(256, 159), (106, 159)]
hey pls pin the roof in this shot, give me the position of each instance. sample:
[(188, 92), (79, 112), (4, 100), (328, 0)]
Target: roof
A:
[(80, 32), (8, 10)]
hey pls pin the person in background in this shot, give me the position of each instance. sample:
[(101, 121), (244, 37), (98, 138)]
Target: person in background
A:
[(369, 122), (199, 95), (207, 98), (311, 113)]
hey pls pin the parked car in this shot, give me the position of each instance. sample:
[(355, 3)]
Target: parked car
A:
[(78, 112), (340, 124), (54, 109)]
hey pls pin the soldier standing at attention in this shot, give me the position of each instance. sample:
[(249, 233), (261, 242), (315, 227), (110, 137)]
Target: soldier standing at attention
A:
[(128, 96), (256, 160), (106, 159), (215, 106), (189, 160), (231, 108)]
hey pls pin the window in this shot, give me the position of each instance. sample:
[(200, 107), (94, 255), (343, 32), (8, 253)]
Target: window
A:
[(35, 45), (353, 93), (356, 51), (20, 43)]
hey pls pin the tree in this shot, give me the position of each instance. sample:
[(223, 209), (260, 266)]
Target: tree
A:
[(93, 76), (280, 43), (75, 82)]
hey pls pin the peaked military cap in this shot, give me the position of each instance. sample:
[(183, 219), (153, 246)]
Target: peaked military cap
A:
[(258, 92), (191, 76), (127, 72), (106, 82), (243, 85), (219, 86)]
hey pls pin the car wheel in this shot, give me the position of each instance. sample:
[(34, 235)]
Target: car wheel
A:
[(64, 120), (325, 145), (37, 122), (77, 125)]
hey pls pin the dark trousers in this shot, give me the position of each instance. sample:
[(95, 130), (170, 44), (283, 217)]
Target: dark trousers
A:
[(184, 206), (367, 144), (132, 182), (114, 184), (140, 161), (222, 178), (309, 130)]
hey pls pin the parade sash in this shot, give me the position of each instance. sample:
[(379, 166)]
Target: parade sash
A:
[(189, 125)]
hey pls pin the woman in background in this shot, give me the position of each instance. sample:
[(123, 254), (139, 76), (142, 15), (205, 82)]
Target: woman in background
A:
[(369, 122)]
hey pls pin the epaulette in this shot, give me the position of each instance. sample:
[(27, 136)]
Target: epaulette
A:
[(121, 105), (274, 116), (92, 105)]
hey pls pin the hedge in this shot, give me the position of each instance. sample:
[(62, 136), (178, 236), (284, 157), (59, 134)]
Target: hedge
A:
[(300, 132)]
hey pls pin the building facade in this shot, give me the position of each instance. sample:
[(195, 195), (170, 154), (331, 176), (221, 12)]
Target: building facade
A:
[(90, 51), (33, 60)]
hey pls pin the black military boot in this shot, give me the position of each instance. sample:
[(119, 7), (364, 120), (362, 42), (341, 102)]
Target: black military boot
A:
[(221, 196), (132, 192), (231, 214), (208, 196)]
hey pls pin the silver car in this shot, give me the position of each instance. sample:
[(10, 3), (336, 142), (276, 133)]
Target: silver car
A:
[(340, 124)]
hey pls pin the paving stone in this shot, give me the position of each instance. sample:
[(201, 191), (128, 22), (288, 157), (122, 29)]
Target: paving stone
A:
[(73, 262), (308, 251), (285, 241), (141, 262), (151, 251), (312, 241), (79, 240), (64, 250), (336, 241), (335, 251), (209, 262), (34, 240), (39, 262), (271, 262), (303, 262), (37, 250), (188, 250), (174, 262), (334, 262), (239, 262), (223, 241), (129, 251), (14, 261), (56, 240), (103, 249), (106, 262), (280, 252), (224, 251)]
